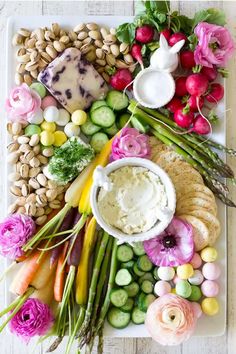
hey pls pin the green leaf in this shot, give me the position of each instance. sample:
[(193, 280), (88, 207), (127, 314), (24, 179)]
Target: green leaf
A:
[(126, 32), (139, 8), (153, 46), (186, 24), (223, 72), (216, 16), (200, 16), (212, 116), (160, 17), (144, 50), (160, 6)]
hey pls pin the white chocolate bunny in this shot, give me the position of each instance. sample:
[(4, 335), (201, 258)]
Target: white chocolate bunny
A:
[(165, 58)]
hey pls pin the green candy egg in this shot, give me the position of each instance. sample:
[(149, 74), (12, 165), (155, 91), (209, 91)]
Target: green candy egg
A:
[(39, 88), (183, 288), (32, 129), (196, 293)]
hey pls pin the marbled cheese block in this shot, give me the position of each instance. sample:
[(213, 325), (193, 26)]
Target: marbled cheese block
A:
[(73, 81)]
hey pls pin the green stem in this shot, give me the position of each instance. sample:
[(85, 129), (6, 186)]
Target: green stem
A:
[(6, 271), (57, 234), (77, 326)]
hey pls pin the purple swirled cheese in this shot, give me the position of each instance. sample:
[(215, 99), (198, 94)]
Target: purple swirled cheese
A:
[(73, 81)]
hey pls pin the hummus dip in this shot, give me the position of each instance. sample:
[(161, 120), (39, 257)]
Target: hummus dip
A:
[(132, 203)]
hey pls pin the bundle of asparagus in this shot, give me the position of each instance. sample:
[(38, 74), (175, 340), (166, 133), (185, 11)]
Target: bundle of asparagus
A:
[(195, 149)]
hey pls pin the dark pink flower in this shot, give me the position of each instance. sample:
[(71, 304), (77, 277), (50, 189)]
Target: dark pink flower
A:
[(215, 45), (173, 247), (33, 319), (15, 231), (130, 143), (22, 103)]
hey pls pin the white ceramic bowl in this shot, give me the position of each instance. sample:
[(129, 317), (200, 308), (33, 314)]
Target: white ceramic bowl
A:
[(160, 225)]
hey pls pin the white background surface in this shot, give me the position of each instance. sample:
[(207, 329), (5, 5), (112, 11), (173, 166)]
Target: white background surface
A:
[(217, 345)]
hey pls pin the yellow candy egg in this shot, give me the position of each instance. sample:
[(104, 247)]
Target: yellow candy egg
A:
[(210, 306), (79, 117), (209, 254), (173, 291), (46, 138), (48, 126), (59, 138), (185, 271)]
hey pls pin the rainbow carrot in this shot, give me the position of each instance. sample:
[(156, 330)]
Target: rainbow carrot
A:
[(60, 275)]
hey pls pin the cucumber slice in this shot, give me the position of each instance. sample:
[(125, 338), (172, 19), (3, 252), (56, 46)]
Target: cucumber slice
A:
[(155, 273), (138, 249), (123, 119), (147, 276), (118, 297), (128, 305), (147, 287), (97, 104), (144, 263), (88, 128), (132, 289), (98, 140), (112, 130), (138, 316), (127, 265), (117, 318), (144, 301), (123, 277), (138, 124), (137, 271), (124, 253), (117, 100), (103, 116)]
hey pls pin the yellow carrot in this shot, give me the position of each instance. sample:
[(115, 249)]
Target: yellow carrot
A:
[(83, 269), (45, 294), (43, 273)]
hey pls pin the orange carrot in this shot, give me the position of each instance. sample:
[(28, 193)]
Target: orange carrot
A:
[(60, 275)]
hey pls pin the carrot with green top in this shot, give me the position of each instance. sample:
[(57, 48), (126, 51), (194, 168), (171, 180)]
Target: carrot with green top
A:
[(60, 275)]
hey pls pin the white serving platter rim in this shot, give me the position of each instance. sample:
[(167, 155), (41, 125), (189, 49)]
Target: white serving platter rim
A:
[(206, 326)]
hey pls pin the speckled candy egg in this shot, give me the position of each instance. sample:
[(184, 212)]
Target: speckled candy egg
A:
[(183, 288), (210, 288), (209, 254), (39, 88), (51, 114), (64, 117), (211, 271), (71, 130), (197, 278), (162, 287), (48, 101), (210, 306), (196, 261), (196, 293), (36, 118), (185, 271), (166, 273)]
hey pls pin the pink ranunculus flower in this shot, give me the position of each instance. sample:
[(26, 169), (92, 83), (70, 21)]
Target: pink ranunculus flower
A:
[(130, 143), (22, 103), (171, 320), (33, 319), (215, 45), (15, 231)]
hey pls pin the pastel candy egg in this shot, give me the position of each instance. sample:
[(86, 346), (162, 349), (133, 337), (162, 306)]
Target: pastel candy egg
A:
[(173, 291), (46, 138), (59, 138), (210, 306), (48, 101), (166, 273), (71, 130), (79, 117), (183, 288), (197, 309), (51, 114), (196, 293), (211, 271), (162, 287), (39, 88), (64, 117), (49, 127), (176, 279), (196, 261), (210, 288), (185, 271), (37, 117), (197, 278), (32, 129), (209, 254)]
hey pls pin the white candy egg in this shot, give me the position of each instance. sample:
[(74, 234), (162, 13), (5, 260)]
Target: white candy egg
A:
[(37, 117), (71, 130), (197, 278), (51, 114), (64, 117), (166, 273)]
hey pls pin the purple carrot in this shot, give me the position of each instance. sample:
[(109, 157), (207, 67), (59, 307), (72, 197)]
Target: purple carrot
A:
[(75, 245)]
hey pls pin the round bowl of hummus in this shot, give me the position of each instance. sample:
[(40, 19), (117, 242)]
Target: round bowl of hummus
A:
[(132, 199)]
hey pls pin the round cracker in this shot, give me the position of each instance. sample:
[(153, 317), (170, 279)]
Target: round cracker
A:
[(197, 203), (197, 187), (200, 231), (193, 194), (189, 208), (179, 166), (166, 158), (153, 141), (157, 150), (186, 178)]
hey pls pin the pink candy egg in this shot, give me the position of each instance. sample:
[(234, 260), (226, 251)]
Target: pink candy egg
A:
[(197, 309), (48, 101), (176, 279), (196, 261), (210, 288), (162, 287), (211, 271)]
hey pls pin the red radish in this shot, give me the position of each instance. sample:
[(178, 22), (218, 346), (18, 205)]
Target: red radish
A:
[(201, 125), (187, 59), (166, 33), (136, 53), (216, 93), (210, 73), (176, 37), (144, 34), (192, 102), (175, 104), (180, 86), (183, 117), (121, 79), (197, 84)]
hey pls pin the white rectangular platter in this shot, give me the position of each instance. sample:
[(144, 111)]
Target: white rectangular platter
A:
[(207, 326)]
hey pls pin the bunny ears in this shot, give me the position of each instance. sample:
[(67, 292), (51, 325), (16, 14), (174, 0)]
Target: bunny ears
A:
[(176, 47)]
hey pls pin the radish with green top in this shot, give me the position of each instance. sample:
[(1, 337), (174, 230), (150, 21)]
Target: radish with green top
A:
[(144, 34)]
